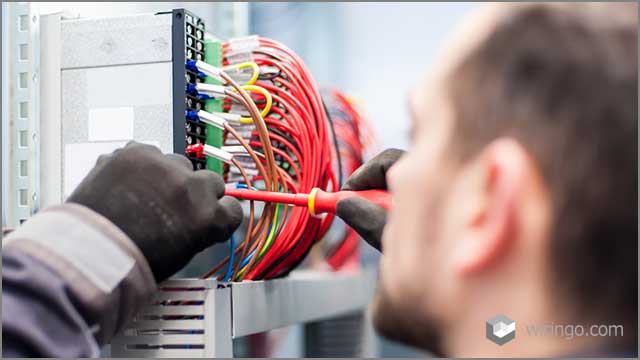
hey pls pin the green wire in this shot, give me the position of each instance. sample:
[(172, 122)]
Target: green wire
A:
[(272, 233), (267, 245)]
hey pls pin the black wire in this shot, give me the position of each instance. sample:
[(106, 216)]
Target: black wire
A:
[(270, 76), (335, 144), (268, 53)]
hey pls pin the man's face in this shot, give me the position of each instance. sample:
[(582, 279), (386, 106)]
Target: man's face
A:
[(418, 282), (413, 269)]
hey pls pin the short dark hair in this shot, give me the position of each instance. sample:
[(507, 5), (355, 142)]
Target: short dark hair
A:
[(562, 80)]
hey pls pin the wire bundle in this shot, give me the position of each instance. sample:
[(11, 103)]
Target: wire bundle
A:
[(277, 138), (353, 136)]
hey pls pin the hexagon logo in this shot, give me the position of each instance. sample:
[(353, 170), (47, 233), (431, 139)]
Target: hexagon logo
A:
[(501, 329)]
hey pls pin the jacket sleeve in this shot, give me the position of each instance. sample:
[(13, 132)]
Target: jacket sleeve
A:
[(71, 280)]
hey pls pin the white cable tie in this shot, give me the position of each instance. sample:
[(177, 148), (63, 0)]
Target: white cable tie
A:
[(219, 154), (232, 141), (212, 119)]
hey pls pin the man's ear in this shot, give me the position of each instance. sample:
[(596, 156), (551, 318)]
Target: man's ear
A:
[(490, 224)]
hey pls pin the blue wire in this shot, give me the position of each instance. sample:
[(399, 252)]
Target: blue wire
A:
[(244, 186), (232, 248), (247, 259)]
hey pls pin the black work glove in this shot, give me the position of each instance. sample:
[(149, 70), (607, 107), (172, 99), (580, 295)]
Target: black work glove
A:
[(365, 217), (169, 211)]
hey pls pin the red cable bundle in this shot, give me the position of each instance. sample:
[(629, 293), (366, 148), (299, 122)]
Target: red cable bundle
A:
[(300, 141), (353, 136)]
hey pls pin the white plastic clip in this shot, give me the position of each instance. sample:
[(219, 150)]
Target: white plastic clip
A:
[(231, 118), (209, 69), (241, 48), (219, 154), (217, 91), (212, 119)]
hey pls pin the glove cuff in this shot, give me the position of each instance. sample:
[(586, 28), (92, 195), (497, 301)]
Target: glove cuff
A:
[(104, 269)]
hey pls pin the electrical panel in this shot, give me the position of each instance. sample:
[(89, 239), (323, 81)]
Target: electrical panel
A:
[(247, 108), (124, 78)]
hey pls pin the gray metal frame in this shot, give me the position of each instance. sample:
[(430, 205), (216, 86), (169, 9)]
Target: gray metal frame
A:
[(21, 114), (233, 310)]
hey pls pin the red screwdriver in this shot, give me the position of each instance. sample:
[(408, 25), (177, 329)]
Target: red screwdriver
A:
[(317, 201)]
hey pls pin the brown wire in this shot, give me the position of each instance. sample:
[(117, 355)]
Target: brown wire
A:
[(270, 175)]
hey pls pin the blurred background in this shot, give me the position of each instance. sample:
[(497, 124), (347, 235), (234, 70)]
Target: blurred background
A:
[(349, 45)]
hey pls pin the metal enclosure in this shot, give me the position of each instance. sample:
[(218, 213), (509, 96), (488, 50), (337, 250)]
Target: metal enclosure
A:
[(116, 81), (199, 318)]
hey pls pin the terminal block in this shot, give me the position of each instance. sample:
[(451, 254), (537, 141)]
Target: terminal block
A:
[(215, 136), (188, 44)]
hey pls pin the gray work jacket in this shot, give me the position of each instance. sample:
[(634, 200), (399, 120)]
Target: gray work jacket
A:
[(70, 280)]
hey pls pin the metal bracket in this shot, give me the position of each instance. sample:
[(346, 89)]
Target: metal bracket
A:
[(21, 115)]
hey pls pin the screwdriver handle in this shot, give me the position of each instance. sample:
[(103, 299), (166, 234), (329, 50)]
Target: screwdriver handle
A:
[(324, 202), (317, 201)]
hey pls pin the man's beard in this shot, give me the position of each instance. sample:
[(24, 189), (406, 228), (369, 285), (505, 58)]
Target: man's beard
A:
[(405, 325)]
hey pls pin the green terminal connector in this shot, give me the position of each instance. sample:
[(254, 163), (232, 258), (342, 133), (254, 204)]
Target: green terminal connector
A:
[(213, 56)]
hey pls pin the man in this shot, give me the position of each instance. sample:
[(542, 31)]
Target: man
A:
[(518, 194), (517, 197)]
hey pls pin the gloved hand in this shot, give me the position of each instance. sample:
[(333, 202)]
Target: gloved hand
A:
[(366, 218), (169, 211)]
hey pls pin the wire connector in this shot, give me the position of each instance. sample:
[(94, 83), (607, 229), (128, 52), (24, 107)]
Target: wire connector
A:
[(207, 69), (212, 119), (216, 153), (217, 91), (233, 119), (236, 149), (240, 49)]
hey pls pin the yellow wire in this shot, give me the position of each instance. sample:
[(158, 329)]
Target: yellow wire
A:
[(267, 96), (244, 65), (272, 234)]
